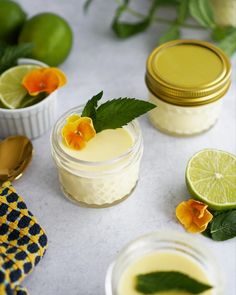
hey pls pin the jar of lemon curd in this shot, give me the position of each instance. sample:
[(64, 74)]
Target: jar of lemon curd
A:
[(187, 80)]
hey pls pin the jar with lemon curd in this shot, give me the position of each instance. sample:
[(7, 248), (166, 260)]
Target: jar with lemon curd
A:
[(187, 80), (106, 171), (163, 252)]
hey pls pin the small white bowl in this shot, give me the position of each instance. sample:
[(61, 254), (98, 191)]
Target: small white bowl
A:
[(32, 121)]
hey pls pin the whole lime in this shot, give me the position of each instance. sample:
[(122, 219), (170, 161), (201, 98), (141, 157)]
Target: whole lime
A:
[(12, 18), (51, 36)]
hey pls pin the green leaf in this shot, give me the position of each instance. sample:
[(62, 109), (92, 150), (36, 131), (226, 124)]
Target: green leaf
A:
[(183, 11), (125, 29), (228, 44), (10, 54), (119, 112), (169, 281), (219, 33), (201, 11), (172, 33), (223, 226), (29, 100), (90, 107)]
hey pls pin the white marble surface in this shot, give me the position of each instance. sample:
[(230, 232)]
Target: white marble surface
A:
[(82, 242)]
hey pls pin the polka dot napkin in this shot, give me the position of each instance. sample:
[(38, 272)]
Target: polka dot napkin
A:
[(23, 242)]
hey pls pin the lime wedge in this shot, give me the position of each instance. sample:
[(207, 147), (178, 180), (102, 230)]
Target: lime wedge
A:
[(211, 178), (11, 90)]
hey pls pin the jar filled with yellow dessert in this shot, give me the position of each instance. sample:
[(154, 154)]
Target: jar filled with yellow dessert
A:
[(164, 263), (98, 149), (187, 80)]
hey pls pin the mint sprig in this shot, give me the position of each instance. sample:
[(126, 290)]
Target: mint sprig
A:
[(114, 113), (222, 227), (90, 107), (160, 281), (200, 11), (9, 54)]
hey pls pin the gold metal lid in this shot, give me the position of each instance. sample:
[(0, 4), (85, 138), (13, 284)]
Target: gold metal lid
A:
[(188, 72)]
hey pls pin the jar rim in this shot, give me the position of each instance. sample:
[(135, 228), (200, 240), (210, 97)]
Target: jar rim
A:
[(192, 95), (177, 238), (59, 151)]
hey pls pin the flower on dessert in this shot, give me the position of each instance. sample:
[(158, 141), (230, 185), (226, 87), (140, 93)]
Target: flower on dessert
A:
[(77, 131), (193, 215), (43, 80)]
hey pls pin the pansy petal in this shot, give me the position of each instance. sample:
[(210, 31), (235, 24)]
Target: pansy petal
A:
[(43, 80), (61, 76), (207, 217), (72, 118), (193, 228), (199, 208), (193, 215), (75, 141), (183, 214), (33, 82), (77, 131), (50, 81), (86, 128)]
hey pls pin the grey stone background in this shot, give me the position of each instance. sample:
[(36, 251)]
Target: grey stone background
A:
[(83, 242)]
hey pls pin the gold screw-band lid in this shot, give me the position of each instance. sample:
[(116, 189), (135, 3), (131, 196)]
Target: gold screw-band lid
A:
[(188, 72)]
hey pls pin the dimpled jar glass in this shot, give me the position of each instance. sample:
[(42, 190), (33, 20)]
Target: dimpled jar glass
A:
[(97, 183), (162, 251), (187, 80)]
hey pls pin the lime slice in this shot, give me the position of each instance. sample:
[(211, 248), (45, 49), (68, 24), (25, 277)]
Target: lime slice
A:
[(11, 90), (211, 178)]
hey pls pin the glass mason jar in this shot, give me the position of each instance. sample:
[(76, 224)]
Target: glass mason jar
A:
[(97, 184), (187, 80), (180, 244)]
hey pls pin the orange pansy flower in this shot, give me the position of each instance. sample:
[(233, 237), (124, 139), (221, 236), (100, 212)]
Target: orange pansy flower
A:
[(193, 215), (43, 80), (77, 131)]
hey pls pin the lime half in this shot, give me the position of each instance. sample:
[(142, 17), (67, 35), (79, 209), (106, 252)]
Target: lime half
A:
[(11, 90), (211, 178)]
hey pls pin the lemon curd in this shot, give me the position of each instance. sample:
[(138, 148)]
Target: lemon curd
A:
[(163, 251), (105, 146), (162, 261), (103, 173)]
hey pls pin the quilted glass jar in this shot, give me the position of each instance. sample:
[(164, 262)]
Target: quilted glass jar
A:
[(100, 183), (163, 251), (187, 80)]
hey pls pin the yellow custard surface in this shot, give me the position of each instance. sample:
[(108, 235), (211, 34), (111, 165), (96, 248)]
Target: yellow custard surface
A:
[(106, 145), (162, 261)]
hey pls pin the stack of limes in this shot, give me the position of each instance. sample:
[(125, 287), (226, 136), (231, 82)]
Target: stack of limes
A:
[(49, 33)]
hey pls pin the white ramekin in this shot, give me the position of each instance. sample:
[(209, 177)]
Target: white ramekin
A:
[(32, 121)]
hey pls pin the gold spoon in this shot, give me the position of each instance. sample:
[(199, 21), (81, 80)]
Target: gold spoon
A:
[(15, 155)]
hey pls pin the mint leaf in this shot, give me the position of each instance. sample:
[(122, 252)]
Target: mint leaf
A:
[(228, 44), (119, 112), (171, 34), (183, 10), (219, 33), (201, 11), (223, 226), (29, 100), (10, 54), (126, 29), (90, 107), (168, 281)]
